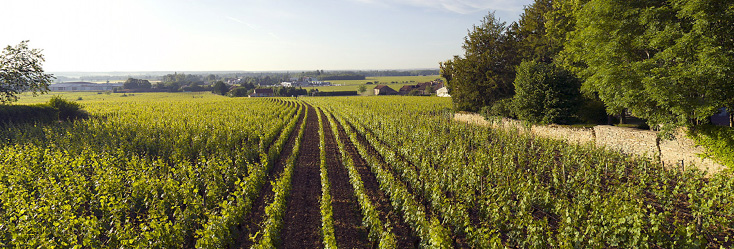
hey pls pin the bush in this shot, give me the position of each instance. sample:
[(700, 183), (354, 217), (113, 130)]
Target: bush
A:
[(41, 113), (68, 110), (718, 141), (503, 108)]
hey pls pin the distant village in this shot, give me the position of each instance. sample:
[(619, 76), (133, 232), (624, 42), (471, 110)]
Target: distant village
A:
[(426, 88)]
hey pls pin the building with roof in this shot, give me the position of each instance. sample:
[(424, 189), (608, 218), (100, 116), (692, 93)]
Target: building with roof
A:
[(384, 90), (262, 92), (83, 87)]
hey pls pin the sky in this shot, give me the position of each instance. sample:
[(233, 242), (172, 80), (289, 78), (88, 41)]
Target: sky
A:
[(245, 35)]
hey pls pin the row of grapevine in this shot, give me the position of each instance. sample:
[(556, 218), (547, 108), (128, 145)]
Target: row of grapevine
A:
[(498, 188), (431, 232), (327, 213), (138, 174), (269, 235), (378, 231), (216, 233)]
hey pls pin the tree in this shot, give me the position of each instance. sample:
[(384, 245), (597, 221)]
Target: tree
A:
[(132, 83), (20, 71), (487, 70), (239, 92), (667, 62), (361, 89), (545, 93), (534, 43), (220, 88)]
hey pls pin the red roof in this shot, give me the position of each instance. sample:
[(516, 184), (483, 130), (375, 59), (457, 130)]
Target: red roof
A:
[(264, 90)]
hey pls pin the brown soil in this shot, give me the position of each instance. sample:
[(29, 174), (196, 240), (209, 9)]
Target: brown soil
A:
[(302, 221), (405, 238), (253, 221), (348, 228), (459, 239)]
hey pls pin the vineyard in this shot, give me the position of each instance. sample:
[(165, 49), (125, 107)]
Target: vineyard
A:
[(337, 172)]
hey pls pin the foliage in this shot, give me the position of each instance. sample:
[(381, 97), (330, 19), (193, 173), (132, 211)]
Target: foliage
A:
[(289, 91), (361, 89), (220, 88), (667, 62), (326, 208), (534, 43), (68, 110), (592, 111), (486, 72), (378, 231), (20, 114), (239, 92), (545, 93), (21, 71), (718, 141), (146, 174), (496, 189), (503, 108), (156, 174), (132, 83), (269, 235)]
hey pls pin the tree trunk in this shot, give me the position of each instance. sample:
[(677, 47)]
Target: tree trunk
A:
[(731, 118), (623, 117)]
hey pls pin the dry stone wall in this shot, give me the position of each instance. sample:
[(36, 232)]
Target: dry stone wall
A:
[(679, 152)]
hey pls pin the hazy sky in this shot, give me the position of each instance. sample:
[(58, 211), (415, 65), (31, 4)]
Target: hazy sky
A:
[(251, 35)]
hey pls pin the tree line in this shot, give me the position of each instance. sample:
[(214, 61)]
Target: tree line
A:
[(667, 62)]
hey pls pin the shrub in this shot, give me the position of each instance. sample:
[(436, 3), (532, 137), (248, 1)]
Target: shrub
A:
[(504, 108), (718, 141), (41, 113), (68, 110)]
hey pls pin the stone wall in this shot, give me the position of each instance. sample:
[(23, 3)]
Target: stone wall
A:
[(679, 152), (627, 140), (572, 135), (683, 152)]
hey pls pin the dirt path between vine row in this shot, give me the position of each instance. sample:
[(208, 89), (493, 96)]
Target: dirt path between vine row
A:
[(348, 228), (403, 234), (302, 221), (253, 221)]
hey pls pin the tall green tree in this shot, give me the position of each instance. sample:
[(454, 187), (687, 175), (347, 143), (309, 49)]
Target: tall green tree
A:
[(534, 43), (20, 71), (486, 71), (545, 93), (666, 61), (220, 88)]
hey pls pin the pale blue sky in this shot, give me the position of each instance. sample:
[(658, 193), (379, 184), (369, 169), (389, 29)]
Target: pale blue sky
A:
[(252, 35)]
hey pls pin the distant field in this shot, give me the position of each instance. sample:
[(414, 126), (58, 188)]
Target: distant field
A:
[(86, 97), (347, 85), (388, 80), (353, 85)]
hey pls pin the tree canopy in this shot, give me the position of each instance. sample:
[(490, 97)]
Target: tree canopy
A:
[(486, 71), (21, 71), (666, 61)]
